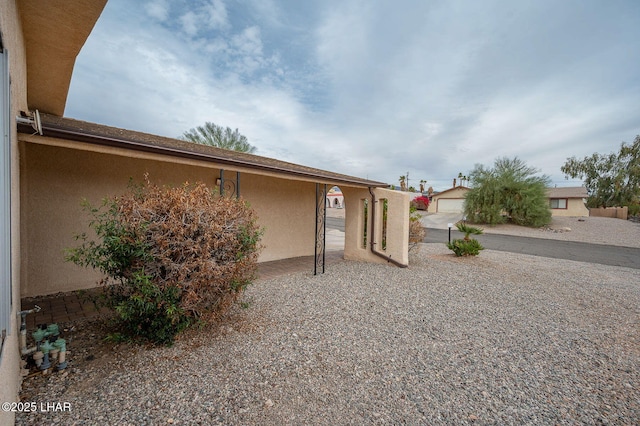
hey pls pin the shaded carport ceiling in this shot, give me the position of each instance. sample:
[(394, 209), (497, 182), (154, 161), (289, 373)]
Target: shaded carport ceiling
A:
[(97, 134), (54, 32)]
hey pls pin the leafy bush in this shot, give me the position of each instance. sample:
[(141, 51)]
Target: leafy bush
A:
[(171, 256), (467, 246), (508, 191), (421, 202), (463, 247)]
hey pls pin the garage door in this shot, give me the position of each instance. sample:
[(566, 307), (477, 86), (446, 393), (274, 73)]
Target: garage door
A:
[(450, 205)]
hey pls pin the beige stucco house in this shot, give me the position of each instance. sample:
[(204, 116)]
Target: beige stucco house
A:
[(49, 163), (569, 201), (448, 201), (335, 199)]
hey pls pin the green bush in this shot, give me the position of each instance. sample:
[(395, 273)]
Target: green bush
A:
[(463, 247), (171, 256), (467, 246), (509, 191)]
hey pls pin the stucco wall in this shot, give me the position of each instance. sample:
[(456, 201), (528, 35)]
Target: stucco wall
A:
[(397, 225), (56, 179), (286, 209), (13, 42), (575, 208)]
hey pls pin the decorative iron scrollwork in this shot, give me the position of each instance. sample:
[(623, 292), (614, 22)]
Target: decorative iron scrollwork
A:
[(321, 226), (229, 187)]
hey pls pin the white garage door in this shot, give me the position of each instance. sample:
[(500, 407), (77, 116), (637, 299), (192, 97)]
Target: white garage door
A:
[(450, 205)]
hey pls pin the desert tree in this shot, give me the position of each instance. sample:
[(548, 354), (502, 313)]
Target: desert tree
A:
[(612, 179), (218, 136), (510, 190)]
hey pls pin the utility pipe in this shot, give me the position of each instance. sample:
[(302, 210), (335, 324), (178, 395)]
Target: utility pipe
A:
[(46, 347), (23, 330), (61, 344), (373, 234)]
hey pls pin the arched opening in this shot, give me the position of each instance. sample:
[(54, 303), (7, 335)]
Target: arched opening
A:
[(335, 220)]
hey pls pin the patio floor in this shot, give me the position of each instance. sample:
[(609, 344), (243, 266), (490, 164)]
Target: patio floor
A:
[(65, 307)]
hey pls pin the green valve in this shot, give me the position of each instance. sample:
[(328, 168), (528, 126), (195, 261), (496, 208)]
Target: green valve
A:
[(38, 335), (46, 347), (61, 344), (53, 329)]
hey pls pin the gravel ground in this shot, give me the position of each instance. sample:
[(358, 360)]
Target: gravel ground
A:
[(497, 339), (597, 230)]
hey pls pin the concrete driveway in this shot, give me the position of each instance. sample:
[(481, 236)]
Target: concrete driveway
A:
[(439, 220)]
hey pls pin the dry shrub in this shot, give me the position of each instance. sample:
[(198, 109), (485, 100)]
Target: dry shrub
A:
[(204, 243), (182, 253), (416, 234), (416, 231)]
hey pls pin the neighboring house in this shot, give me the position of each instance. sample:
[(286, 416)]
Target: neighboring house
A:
[(449, 201), (569, 201), (335, 199), (50, 163), (562, 201)]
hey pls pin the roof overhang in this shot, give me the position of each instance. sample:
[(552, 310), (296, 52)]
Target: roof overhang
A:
[(58, 128), (451, 190), (54, 32)]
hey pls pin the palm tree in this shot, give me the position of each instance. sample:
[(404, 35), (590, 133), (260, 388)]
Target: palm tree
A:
[(214, 135), (468, 230), (403, 183), (467, 246)]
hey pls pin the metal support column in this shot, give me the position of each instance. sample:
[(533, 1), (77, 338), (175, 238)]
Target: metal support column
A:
[(321, 228)]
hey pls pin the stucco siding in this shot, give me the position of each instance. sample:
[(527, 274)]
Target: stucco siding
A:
[(397, 225), (450, 194), (575, 208), (13, 42), (286, 210), (55, 180)]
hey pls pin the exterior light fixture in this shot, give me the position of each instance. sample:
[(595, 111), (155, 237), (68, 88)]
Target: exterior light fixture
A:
[(450, 225)]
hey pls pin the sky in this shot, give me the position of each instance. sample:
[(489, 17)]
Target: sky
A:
[(373, 89)]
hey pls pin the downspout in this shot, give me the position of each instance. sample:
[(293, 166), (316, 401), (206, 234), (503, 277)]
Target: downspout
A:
[(373, 234)]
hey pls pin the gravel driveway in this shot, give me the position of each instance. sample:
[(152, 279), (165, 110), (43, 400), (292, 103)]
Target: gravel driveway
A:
[(498, 339), (595, 230)]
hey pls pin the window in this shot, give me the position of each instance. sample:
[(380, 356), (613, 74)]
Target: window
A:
[(558, 203), (5, 199)]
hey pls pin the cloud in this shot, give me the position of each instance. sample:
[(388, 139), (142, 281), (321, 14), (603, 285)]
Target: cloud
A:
[(158, 9), (372, 89), (217, 14), (190, 23), (204, 18)]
